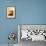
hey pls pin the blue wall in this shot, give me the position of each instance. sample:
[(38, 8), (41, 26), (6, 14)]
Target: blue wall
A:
[(31, 11), (27, 12), (7, 25)]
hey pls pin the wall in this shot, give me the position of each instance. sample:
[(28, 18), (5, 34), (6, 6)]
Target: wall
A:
[(27, 12), (31, 11), (7, 25)]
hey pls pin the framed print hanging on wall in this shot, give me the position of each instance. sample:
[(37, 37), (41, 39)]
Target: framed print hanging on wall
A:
[(11, 12)]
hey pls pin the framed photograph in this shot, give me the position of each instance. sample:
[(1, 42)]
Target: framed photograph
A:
[(11, 12)]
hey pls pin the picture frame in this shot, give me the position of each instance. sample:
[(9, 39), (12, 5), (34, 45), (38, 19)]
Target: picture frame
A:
[(11, 12)]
